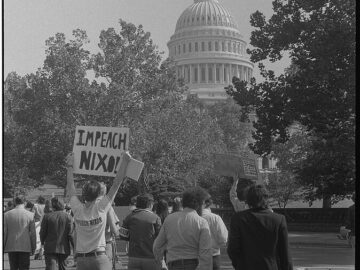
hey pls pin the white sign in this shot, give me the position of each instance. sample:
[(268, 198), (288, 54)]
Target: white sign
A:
[(97, 150)]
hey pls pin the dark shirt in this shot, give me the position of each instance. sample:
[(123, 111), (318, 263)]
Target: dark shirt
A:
[(259, 240), (55, 232), (143, 226)]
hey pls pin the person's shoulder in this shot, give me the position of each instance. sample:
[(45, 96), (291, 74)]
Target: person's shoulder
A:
[(28, 213), (242, 213)]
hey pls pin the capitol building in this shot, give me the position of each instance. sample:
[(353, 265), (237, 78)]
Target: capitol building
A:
[(209, 50)]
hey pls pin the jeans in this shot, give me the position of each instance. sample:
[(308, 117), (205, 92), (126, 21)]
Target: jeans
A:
[(216, 262), (100, 262), (53, 259), (19, 260), (186, 265), (142, 264)]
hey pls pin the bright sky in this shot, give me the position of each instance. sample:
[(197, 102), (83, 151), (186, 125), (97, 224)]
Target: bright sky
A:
[(28, 23)]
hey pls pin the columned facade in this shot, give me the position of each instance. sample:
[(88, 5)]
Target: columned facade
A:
[(209, 50)]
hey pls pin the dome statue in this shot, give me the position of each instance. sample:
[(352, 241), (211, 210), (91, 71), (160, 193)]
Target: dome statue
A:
[(209, 50)]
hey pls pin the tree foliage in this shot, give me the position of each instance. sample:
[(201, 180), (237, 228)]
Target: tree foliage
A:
[(134, 88), (318, 90)]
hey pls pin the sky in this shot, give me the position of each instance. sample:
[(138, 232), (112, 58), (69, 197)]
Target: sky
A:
[(28, 23)]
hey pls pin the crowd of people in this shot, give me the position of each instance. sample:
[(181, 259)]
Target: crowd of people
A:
[(187, 238)]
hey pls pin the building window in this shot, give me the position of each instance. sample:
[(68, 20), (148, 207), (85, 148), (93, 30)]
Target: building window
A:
[(209, 45), (189, 47), (234, 48), (216, 46), (217, 73), (179, 49), (184, 48), (210, 74), (196, 47), (225, 74), (229, 47), (188, 74), (223, 46), (203, 46), (265, 163), (195, 80), (203, 74)]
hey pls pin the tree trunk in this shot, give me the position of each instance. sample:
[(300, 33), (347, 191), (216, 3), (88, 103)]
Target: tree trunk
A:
[(326, 201)]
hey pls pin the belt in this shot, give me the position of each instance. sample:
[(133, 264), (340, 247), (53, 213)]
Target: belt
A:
[(91, 254), (183, 262)]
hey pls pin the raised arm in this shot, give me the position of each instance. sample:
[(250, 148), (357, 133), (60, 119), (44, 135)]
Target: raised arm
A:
[(120, 176), (238, 205)]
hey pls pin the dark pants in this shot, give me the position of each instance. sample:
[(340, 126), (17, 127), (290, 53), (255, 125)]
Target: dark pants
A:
[(19, 260), (54, 259), (216, 262), (190, 264)]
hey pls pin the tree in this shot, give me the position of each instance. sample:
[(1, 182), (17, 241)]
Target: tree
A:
[(176, 143), (318, 91), (283, 188), (237, 133), (142, 93)]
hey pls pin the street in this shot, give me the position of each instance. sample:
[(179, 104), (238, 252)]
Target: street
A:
[(317, 256), (305, 256)]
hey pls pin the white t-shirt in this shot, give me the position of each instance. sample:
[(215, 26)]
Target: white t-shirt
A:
[(90, 223)]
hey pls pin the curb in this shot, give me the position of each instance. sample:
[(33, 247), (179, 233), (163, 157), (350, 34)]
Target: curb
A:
[(325, 245)]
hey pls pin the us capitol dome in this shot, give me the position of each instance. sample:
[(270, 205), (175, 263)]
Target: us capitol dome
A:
[(209, 50)]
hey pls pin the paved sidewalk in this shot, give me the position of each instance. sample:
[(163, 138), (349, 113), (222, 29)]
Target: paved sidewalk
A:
[(296, 239), (316, 239)]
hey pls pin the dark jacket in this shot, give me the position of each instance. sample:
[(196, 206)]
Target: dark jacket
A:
[(143, 227), (259, 240), (55, 232)]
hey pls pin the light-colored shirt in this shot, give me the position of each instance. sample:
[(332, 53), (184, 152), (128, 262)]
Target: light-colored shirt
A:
[(185, 235), (219, 233), (90, 223), (19, 230)]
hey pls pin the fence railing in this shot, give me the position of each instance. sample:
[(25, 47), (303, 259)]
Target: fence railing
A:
[(302, 219)]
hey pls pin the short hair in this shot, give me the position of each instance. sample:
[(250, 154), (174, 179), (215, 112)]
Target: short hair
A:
[(193, 198), (177, 204), (91, 191), (133, 200), (19, 200), (29, 205), (10, 203), (161, 206), (47, 208), (57, 204), (208, 200), (257, 196), (144, 201), (40, 200)]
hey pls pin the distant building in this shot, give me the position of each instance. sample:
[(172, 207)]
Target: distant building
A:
[(209, 50)]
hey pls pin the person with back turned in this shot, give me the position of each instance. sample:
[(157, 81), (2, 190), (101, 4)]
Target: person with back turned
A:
[(185, 235), (140, 228), (19, 235), (55, 235), (90, 217), (258, 237)]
